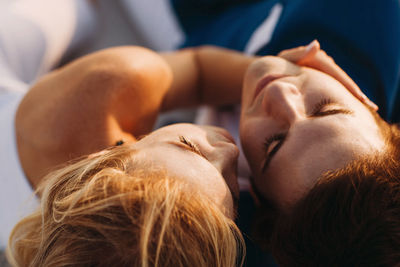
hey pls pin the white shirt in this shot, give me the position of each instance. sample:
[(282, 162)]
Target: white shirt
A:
[(34, 35), (15, 190)]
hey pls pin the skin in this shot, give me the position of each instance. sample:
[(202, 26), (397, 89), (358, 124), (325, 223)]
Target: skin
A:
[(116, 94), (322, 124), (203, 156)]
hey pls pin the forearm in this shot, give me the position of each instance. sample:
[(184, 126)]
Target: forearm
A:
[(205, 75)]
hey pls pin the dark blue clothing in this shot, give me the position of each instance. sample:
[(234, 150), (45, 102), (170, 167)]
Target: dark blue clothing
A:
[(363, 36), (255, 257)]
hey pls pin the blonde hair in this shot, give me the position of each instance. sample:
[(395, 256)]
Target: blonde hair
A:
[(112, 210)]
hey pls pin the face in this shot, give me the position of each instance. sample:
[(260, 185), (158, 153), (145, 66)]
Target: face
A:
[(204, 156), (297, 123)]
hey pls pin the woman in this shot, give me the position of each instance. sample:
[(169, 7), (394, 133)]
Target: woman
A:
[(147, 200), (363, 37), (325, 166), (141, 204), (304, 115), (175, 178), (110, 137)]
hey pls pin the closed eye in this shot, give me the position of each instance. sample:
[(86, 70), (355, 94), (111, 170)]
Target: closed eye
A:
[(328, 107), (325, 107), (271, 146), (190, 145)]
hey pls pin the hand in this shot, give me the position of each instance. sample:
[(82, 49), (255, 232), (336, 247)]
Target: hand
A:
[(312, 56)]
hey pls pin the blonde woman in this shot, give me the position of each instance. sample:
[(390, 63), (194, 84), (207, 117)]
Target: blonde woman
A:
[(162, 200), (153, 203), (166, 199)]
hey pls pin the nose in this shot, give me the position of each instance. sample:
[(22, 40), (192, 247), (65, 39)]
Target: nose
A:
[(283, 102)]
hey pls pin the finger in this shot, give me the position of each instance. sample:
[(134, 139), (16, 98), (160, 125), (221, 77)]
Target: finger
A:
[(322, 62), (299, 53), (311, 56)]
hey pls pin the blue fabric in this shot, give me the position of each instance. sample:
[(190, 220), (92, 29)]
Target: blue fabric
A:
[(363, 36), (212, 23), (246, 213)]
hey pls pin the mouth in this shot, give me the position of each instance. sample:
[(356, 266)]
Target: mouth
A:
[(226, 136), (263, 82)]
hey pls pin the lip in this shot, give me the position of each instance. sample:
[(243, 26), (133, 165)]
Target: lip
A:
[(222, 134), (228, 136), (263, 82)]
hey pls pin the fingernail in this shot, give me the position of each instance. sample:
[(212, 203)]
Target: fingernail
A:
[(372, 104), (311, 45)]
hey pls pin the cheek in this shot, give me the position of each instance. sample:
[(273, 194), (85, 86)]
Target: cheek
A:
[(203, 177), (192, 169), (283, 181), (244, 133), (299, 167), (251, 138), (249, 86), (296, 168)]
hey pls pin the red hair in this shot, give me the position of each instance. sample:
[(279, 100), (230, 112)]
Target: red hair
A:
[(351, 217)]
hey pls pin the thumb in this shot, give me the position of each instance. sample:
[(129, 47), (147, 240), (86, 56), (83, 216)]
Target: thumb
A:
[(301, 53)]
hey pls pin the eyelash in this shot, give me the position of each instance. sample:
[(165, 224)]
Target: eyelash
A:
[(192, 146), (324, 102), (317, 108), (276, 137), (271, 139), (315, 113)]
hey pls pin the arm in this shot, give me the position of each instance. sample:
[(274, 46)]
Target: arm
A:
[(116, 94), (205, 75), (89, 105)]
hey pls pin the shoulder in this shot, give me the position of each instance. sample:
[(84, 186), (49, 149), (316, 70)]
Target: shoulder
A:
[(88, 104)]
